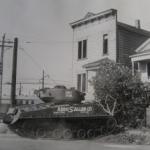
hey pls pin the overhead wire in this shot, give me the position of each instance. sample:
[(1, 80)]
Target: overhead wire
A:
[(37, 64)]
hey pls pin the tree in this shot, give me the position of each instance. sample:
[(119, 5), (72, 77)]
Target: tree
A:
[(117, 91)]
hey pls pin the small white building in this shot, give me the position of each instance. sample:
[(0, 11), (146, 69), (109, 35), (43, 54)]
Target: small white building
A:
[(97, 36), (141, 61)]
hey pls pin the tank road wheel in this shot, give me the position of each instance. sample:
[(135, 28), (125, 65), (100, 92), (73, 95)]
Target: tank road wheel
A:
[(67, 134), (57, 133), (32, 133), (90, 133), (81, 133), (110, 125), (40, 133), (20, 132), (49, 134)]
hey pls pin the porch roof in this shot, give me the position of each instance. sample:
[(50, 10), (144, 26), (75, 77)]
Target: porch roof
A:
[(92, 65), (141, 55)]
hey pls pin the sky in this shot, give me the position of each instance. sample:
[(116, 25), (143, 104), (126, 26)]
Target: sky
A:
[(45, 36)]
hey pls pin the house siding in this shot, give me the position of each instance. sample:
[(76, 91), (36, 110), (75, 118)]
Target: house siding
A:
[(93, 32), (128, 41)]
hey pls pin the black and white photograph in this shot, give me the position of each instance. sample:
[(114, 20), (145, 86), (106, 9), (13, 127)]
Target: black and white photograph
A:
[(74, 74)]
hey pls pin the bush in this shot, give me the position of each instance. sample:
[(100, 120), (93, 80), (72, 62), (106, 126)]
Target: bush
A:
[(118, 92)]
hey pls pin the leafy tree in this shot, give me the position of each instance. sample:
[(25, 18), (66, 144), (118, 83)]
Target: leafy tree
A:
[(118, 92)]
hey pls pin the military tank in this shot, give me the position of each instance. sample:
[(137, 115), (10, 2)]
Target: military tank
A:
[(62, 115)]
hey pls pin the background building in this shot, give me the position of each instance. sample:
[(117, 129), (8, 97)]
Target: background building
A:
[(98, 36)]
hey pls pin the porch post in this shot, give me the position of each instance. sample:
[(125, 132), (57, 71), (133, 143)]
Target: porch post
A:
[(138, 66), (133, 68), (86, 81)]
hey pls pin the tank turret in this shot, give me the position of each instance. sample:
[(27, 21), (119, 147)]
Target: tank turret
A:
[(60, 95)]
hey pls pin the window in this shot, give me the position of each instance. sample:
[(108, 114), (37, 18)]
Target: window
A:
[(148, 70), (82, 49), (81, 82), (26, 102), (135, 67), (105, 44), (79, 49)]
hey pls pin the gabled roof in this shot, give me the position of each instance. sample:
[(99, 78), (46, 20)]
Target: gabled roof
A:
[(89, 14), (143, 49), (133, 29)]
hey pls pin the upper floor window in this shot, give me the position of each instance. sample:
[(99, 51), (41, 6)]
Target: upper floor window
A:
[(105, 44), (82, 49)]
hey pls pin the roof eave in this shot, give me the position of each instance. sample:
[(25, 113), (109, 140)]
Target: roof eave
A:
[(99, 15)]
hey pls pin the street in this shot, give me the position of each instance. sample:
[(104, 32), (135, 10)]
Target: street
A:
[(13, 142)]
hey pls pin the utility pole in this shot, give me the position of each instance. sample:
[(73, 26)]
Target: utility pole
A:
[(14, 73), (3, 46), (43, 76), (20, 88), (1, 66)]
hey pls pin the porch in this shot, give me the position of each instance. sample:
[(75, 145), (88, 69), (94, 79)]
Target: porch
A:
[(141, 64), (91, 69)]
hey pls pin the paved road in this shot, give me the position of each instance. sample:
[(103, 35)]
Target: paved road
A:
[(12, 142)]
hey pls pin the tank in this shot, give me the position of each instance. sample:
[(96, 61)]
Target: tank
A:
[(60, 95), (64, 116)]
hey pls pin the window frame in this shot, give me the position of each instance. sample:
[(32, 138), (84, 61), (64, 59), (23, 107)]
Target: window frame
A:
[(148, 70), (82, 49), (81, 82), (105, 44)]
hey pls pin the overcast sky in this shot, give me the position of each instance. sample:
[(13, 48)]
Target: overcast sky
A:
[(45, 37)]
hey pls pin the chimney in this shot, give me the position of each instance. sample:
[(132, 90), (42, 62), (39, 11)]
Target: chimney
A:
[(137, 24)]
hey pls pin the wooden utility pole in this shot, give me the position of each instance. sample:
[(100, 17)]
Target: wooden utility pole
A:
[(1, 66), (43, 76), (14, 73), (3, 46)]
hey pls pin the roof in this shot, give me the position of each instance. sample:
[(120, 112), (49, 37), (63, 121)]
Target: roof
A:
[(92, 16), (95, 64), (147, 52), (134, 29), (92, 64), (143, 49)]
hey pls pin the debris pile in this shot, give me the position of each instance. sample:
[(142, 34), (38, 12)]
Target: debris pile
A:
[(132, 136)]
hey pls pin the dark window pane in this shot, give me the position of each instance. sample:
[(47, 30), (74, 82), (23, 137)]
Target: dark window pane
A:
[(27, 102), (148, 69), (79, 82), (84, 48), (79, 49), (135, 67), (105, 44), (83, 82)]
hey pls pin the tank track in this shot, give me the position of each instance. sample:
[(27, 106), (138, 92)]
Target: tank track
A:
[(74, 128)]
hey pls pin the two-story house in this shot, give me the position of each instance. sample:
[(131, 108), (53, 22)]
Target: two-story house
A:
[(97, 36)]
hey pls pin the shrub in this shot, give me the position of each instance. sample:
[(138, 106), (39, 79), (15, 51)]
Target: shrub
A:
[(118, 92)]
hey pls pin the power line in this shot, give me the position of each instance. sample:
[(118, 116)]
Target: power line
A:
[(33, 60)]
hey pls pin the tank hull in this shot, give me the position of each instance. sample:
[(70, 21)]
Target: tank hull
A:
[(62, 121)]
